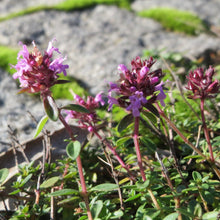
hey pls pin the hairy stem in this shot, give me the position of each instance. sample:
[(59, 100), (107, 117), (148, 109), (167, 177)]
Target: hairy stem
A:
[(139, 158), (206, 131), (80, 168)]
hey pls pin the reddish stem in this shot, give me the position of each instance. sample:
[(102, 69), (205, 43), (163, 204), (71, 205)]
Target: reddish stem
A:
[(108, 145), (206, 131), (80, 168), (137, 147)]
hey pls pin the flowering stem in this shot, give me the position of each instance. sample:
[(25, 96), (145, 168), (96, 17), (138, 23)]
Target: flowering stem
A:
[(137, 147), (107, 144), (206, 131), (80, 169), (139, 158)]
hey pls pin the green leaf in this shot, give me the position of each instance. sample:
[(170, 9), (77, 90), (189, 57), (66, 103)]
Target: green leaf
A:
[(41, 125), (51, 108), (151, 117), (64, 192), (3, 175), (142, 185), (210, 215), (150, 145), (185, 212), (196, 176), (73, 149), (68, 200), (117, 214), (122, 140), (133, 197), (76, 108), (26, 179), (96, 208), (152, 109), (172, 216), (127, 120), (105, 187), (50, 182)]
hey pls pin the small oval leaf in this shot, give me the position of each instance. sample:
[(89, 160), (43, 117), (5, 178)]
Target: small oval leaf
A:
[(73, 149), (77, 108), (50, 182), (127, 120), (64, 192), (172, 216), (41, 125), (3, 175), (51, 108), (96, 208), (105, 187), (196, 175), (152, 109)]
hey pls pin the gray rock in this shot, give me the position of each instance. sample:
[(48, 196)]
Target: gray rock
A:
[(206, 10)]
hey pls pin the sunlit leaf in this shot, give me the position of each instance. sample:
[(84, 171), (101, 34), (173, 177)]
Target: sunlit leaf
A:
[(51, 108), (41, 125), (105, 187), (77, 108), (64, 192), (210, 215), (133, 197), (96, 208), (196, 175), (73, 149), (50, 182), (3, 174), (172, 216), (26, 179)]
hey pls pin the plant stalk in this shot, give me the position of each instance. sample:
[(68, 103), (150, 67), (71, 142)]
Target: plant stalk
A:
[(108, 145), (206, 131), (139, 158), (80, 168)]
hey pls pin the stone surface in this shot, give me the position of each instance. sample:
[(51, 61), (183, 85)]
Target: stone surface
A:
[(95, 41)]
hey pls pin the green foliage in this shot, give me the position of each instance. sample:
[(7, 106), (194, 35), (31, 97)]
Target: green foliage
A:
[(68, 5), (176, 20), (7, 56), (63, 91), (182, 182)]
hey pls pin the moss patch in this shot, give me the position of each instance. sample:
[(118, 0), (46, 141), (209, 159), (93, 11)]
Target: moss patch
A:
[(176, 20), (7, 56), (63, 91), (69, 5)]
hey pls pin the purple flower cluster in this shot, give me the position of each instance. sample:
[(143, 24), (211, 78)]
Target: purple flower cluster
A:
[(201, 84), (137, 86), (37, 72), (86, 120)]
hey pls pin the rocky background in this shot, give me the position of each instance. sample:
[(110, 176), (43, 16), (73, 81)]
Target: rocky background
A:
[(95, 41)]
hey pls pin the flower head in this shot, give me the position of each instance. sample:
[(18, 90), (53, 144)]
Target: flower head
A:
[(86, 120), (37, 72), (201, 84), (137, 86)]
